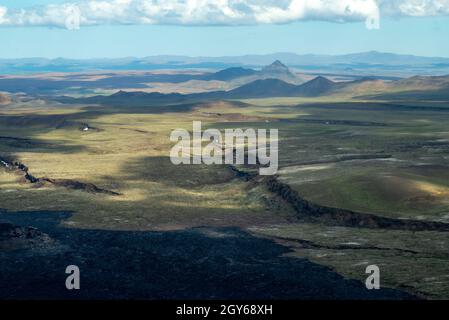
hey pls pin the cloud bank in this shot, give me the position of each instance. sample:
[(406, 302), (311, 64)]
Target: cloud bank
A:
[(73, 15), (414, 8)]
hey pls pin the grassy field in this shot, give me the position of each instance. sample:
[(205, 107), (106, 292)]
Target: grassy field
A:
[(129, 154), (412, 261)]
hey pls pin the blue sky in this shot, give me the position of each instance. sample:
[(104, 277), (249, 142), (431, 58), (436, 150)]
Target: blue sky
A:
[(399, 34), (27, 3)]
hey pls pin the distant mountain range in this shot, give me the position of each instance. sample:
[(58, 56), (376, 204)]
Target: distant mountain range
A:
[(237, 75), (429, 88), (273, 80), (261, 88), (257, 89), (371, 62)]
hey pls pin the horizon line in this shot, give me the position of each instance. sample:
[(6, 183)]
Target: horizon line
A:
[(226, 56)]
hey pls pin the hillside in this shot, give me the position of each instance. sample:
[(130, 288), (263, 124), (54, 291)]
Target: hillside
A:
[(277, 68), (422, 83), (130, 99), (263, 88), (279, 88), (434, 88), (318, 86), (229, 74), (242, 76)]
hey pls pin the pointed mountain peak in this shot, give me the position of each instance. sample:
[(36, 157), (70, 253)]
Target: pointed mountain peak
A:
[(123, 93), (276, 66), (277, 63), (322, 80), (120, 93)]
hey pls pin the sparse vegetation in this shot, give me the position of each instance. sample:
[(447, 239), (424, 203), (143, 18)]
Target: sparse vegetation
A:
[(338, 150)]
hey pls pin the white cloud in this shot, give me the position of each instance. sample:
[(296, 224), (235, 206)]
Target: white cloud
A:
[(415, 8), (72, 15), (3, 11)]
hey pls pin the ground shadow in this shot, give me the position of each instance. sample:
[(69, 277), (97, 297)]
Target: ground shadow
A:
[(200, 263)]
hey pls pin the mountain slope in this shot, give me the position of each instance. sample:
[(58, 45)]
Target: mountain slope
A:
[(262, 88), (229, 74), (241, 76), (430, 88), (422, 83), (276, 68), (278, 88), (131, 99), (318, 86)]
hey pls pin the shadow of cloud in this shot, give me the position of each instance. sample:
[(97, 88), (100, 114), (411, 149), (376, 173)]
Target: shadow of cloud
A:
[(188, 264), (19, 131), (162, 170)]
